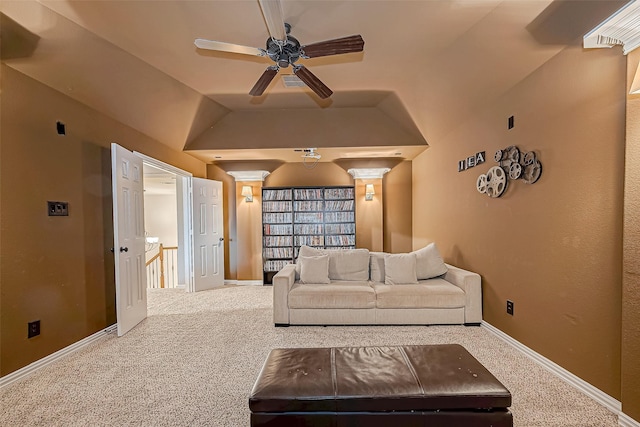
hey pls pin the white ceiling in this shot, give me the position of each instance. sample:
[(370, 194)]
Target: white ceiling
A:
[(425, 66)]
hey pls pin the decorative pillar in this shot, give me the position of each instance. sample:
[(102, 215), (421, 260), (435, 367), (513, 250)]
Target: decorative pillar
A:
[(369, 212), (249, 225)]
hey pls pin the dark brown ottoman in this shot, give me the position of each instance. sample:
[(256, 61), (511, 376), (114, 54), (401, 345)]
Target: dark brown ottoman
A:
[(420, 385)]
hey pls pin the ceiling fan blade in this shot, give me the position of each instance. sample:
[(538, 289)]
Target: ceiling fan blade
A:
[(274, 18), (263, 81), (228, 47), (334, 47), (312, 81)]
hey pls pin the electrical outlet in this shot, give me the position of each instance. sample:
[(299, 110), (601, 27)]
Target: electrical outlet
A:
[(510, 307), (58, 208), (34, 329)]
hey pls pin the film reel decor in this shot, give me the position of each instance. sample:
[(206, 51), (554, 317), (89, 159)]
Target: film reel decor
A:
[(481, 183), (496, 182), (513, 164)]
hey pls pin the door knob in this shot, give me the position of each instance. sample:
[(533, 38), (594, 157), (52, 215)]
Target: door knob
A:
[(221, 239), (124, 249)]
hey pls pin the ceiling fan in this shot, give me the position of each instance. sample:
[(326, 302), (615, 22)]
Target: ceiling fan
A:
[(285, 50)]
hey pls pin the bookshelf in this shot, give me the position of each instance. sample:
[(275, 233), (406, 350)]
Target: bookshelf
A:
[(321, 217)]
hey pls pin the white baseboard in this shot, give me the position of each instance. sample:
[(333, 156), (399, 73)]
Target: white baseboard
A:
[(244, 282), (31, 368), (593, 392), (250, 282), (626, 421)]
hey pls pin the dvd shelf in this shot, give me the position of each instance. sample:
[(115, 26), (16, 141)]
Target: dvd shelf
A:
[(322, 217)]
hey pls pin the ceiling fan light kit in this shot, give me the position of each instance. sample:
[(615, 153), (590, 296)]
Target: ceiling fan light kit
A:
[(285, 50)]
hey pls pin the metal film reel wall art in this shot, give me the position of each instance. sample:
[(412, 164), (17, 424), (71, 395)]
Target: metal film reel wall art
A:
[(512, 164)]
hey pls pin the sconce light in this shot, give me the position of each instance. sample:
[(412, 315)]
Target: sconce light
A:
[(247, 193), (369, 191)]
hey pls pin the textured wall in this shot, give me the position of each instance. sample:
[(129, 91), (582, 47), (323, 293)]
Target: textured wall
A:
[(631, 267), (554, 247), (58, 270)]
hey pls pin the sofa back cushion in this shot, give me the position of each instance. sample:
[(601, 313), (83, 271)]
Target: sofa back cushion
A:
[(314, 269), (429, 263), (344, 264), (376, 266), (349, 264)]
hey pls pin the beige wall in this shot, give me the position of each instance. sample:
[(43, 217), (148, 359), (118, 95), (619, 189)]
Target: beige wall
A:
[(297, 175), (554, 247), (369, 232), (58, 270), (397, 227), (249, 232), (631, 267)]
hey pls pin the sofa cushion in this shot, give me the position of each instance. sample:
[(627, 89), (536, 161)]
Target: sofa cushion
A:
[(433, 293), (376, 266), (344, 264), (400, 269), (349, 264), (429, 263), (337, 294), (314, 269)]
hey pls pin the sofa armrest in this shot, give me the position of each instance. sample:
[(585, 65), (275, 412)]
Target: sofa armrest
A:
[(282, 283), (470, 283)]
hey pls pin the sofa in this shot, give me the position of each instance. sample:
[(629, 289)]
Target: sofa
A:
[(359, 287)]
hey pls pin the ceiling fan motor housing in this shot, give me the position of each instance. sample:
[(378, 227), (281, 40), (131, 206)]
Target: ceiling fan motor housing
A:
[(286, 54)]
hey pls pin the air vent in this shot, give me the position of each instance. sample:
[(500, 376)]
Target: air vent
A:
[(291, 80)]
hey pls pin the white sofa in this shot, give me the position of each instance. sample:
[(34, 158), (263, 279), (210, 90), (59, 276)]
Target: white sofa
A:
[(358, 287)]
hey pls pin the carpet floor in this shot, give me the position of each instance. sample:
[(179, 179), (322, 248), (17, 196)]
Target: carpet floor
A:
[(194, 360)]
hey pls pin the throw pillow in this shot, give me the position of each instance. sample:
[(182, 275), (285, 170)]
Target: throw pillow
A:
[(429, 263), (306, 251), (400, 269), (314, 269), (376, 266)]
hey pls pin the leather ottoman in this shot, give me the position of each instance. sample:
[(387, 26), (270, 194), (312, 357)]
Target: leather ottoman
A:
[(430, 385)]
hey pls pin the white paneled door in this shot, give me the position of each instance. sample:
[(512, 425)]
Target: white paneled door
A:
[(208, 234), (128, 236)]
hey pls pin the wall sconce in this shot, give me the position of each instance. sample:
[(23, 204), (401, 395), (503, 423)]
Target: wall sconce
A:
[(247, 193), (369, 191)]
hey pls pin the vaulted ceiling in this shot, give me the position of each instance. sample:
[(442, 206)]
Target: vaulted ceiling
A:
[(426, 65)]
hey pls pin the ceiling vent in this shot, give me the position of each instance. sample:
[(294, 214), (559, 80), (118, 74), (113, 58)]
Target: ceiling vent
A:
[(291, 80), (621, 28)]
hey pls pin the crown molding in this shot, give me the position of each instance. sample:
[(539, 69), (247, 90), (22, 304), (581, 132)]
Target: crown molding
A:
[(368, 173), (621, 28), (245, 176)]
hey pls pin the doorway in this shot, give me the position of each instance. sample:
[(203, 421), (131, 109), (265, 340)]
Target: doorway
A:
[(169, 224), (161, 228), (127, 169)]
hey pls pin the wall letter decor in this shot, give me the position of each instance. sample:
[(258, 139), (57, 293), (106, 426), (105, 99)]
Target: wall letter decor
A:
[(471, 161)]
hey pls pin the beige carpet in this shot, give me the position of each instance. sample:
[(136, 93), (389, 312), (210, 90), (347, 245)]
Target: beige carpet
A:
[(194, 360)]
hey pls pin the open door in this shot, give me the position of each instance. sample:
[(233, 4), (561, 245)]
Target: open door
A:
[(128, 236), (208, 234)]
